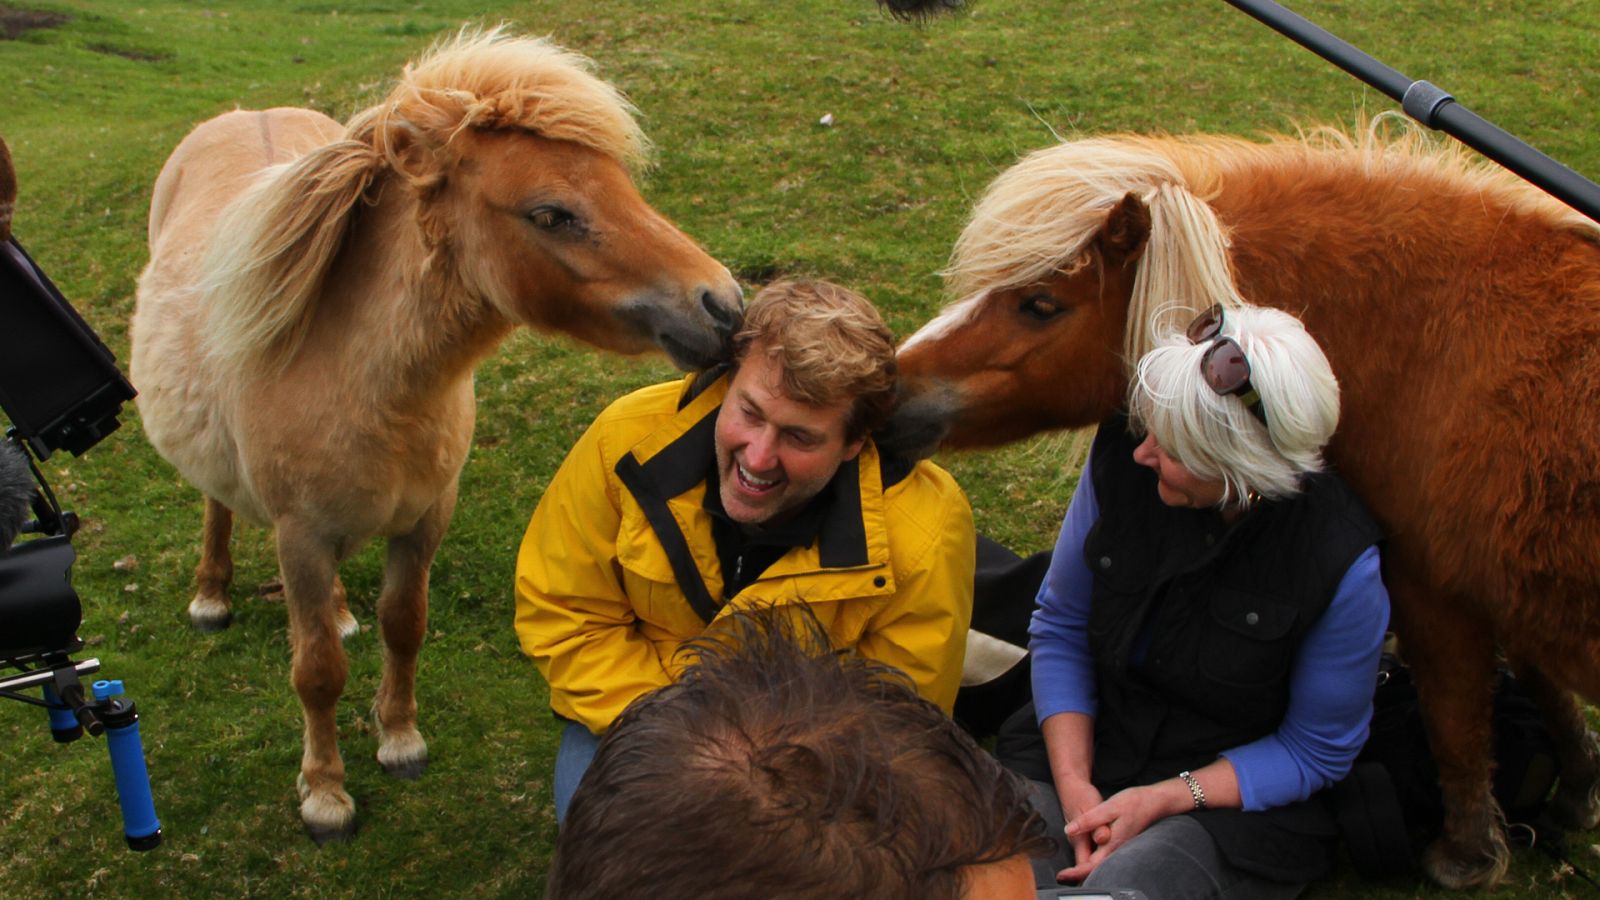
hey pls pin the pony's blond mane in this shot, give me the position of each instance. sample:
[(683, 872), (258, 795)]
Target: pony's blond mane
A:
[(1039, 216), (277, 240)]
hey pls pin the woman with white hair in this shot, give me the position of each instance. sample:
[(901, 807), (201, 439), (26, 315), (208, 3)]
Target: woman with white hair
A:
[(1207, 637)]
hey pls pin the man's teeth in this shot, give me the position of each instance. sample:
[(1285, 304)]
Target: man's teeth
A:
[(754, 481)]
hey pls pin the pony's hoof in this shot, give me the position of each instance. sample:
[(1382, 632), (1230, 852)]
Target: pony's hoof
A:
[(208, 615), (1460, 867), (348, 626), (403, 756), (329, 815), (323, 836), (407, 771)]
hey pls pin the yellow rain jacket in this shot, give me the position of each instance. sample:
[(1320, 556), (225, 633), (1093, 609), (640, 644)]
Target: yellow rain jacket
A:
[(619, 554)]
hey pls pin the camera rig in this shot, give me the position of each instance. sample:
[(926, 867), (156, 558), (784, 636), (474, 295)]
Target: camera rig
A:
[(61, 389)]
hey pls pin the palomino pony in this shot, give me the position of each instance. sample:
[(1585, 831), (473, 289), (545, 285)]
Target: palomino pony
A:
[(1461, 311), (318, 297)]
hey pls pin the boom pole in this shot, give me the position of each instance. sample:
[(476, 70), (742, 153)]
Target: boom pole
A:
[(1433, 107)]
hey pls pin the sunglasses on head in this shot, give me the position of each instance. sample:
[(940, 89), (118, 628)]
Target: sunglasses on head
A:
[(1223, 365)]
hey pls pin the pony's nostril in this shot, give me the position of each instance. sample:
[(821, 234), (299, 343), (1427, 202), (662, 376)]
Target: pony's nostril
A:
[(726, 315)]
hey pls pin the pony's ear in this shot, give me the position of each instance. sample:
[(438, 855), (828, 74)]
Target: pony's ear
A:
[(1126, 231), (413, 153)]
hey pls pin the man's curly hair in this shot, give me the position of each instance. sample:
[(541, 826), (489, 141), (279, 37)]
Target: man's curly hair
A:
[(831, 343)]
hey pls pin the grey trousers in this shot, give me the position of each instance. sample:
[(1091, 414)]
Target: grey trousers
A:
[(1174, 859)]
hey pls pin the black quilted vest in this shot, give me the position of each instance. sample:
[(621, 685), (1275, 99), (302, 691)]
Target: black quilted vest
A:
[(1194, 622)]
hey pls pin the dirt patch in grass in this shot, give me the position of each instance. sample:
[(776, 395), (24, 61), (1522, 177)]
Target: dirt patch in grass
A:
[(14, 22), (129, 53)]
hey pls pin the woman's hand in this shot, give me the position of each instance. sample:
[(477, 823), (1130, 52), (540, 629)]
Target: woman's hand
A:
[(1106, 826), (1077, 798)]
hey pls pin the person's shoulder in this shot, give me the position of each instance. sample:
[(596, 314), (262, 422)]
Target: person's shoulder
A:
[(653, 400), (1335, 502), (929, 475), (923, 491), (651, 418), (630, 418), (640, 412), (928, 519)]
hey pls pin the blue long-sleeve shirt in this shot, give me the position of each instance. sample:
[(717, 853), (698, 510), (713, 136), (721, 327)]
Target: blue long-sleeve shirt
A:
[(1331, 681)]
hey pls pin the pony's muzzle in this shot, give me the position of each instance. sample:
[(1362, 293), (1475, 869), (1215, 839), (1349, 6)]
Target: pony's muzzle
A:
[(694, 335), (923, 414)]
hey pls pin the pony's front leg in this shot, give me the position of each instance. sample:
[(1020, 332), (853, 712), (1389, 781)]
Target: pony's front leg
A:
[(402, 621), (210, 609), (348, 626), (1452, 657), (319, 671)]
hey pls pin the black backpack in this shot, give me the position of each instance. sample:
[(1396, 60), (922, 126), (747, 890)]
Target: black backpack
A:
[(1389, 806)]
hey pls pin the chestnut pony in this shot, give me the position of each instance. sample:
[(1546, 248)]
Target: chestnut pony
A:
[(318, 297), (1461, 311)]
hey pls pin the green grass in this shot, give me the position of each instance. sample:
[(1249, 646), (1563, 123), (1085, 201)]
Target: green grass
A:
[(924, 117)]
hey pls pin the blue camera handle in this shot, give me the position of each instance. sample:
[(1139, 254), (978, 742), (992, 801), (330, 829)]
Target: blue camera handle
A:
[(64, 725), (139, 823)]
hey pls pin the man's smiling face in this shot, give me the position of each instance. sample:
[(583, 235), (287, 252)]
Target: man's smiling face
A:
[(775, 453)]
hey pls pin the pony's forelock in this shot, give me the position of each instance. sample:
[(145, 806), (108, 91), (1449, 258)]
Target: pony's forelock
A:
[(491, 79)]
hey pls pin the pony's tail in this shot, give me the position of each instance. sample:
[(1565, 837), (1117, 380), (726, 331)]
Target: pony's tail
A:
[(272, 249)]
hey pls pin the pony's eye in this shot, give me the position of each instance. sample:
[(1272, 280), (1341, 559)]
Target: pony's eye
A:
[(1042, 307), (551, 218)]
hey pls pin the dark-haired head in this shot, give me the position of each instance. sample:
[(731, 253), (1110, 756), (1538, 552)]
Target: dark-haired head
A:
[(777, 766)]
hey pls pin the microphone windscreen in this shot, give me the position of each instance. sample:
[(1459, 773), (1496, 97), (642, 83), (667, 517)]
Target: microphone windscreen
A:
[(16, 492)]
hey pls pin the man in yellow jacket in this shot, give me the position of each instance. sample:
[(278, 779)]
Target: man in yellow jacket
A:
[(754, 486)]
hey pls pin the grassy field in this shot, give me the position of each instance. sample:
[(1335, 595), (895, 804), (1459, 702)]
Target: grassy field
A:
[(732, 93)]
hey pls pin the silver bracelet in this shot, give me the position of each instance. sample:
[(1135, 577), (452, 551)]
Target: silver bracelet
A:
[(1195, 790)]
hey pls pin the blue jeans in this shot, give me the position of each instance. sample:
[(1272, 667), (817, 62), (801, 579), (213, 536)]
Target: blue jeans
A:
[(572, 760)]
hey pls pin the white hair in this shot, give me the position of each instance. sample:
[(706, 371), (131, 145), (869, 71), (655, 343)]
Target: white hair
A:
[(1215, 436)]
